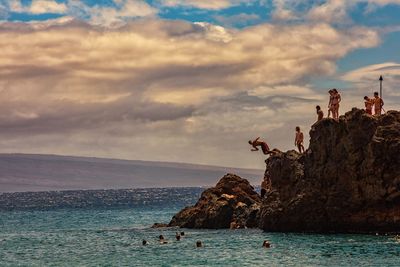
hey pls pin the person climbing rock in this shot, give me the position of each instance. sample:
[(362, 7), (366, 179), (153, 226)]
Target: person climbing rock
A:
[(368, 104), (320, 113), (257, 142), (299, 139), (378, 104)]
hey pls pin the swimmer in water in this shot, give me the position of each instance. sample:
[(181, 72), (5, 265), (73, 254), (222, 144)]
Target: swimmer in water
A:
[(199, 244), (144, 242), (162, 240), (266, 244), (178, 236)]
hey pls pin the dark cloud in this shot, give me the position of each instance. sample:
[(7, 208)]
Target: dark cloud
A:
[(64, 116)]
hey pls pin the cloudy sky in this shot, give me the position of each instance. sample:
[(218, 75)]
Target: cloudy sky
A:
[(185, 80)]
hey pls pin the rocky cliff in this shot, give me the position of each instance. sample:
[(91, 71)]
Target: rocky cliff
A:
[(347, 181), (232, 203)]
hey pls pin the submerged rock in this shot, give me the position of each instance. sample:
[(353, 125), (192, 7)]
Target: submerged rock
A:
[(232, 203), (347, 181), (159, 225)]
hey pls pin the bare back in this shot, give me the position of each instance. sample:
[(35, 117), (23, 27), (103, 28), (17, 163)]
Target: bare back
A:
[(320, 115)]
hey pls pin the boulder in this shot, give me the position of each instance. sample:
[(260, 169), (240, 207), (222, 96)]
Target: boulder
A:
[(232, 203)]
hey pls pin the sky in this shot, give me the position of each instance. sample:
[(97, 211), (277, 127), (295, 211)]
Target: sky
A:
[(186, 80)]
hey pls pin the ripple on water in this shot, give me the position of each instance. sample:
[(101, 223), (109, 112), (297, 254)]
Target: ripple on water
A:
[(114, 237)]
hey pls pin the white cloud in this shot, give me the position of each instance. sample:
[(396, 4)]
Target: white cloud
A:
[(105, 15), (366, 78), (215, 33), (38, 7), (284, 11), (46, 6), (203, 4), (333, 11), (125, 9), (329, 11), (154, 86)]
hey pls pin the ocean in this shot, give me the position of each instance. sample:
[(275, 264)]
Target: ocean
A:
[(110, 233)]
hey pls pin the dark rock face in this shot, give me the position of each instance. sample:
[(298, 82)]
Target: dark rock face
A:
[(347, 181), (232, 203)]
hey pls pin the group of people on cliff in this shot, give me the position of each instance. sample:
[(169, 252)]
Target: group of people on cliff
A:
[(335, 98), (333, 106), (375, 102)]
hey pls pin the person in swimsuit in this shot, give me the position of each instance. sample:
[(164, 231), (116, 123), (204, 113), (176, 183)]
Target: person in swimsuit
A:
[(264, 146), (378, 104), (298, 141), (320, 113), (368, 104), (330, 103), (335, 104)]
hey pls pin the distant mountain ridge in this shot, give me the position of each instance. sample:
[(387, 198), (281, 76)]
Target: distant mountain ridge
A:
[(36, 172)]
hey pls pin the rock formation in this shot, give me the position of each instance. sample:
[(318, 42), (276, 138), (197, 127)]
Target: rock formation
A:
[(232, 203), (347, 181)]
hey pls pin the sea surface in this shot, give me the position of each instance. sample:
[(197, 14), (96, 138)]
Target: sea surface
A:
[(112, 235)]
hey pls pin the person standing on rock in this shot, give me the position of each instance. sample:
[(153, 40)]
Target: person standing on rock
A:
[(368, 104), (378, 104), (336, 99), (320, 113), (264, 146), (299, 139), (330, 103)]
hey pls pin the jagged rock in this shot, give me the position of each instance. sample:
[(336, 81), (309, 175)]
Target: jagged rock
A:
[(232, 203), (347, 181)]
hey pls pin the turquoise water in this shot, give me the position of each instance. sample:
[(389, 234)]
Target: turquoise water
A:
[(112, 237)]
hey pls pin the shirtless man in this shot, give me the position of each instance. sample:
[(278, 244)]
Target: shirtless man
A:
[(320, 113), (298, 141), (368, 104), (335, 104), (264, 147), (378, 104)]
